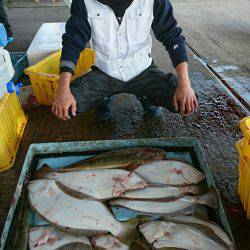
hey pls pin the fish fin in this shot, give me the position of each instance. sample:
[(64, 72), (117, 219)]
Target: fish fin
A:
[(78, 232), (73, 193), (41, 172), (210, 199), (132, 167), (131, 233)]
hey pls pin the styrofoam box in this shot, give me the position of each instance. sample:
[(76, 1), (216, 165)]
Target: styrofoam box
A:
[(47, 40)]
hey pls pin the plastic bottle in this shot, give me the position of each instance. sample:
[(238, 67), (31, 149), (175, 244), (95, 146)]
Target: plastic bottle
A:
[(3, 36), (6, 71), (6, 68)]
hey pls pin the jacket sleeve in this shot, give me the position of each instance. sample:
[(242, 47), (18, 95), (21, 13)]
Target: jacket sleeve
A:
[(78, 33), (168, 33)]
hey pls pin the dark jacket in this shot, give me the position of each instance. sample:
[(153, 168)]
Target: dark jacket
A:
[(78, 31)]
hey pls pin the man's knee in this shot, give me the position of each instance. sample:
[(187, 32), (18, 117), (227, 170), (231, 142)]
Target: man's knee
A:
[(167, 92), (172, 82)]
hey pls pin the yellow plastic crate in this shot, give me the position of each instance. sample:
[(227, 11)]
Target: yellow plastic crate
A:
[(243, 148), (12, 124), (45, 75)]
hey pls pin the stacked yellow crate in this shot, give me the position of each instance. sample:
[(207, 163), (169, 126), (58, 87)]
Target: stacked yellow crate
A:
[(243, 148), (45, 75), (12, 124)]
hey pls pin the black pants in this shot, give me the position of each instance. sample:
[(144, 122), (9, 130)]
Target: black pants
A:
[(4, 19), (90, 89)]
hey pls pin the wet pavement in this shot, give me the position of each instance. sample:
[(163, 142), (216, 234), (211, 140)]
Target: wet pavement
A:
[(215, 124), (218, 30)]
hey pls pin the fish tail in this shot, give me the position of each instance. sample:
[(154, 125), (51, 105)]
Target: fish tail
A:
[(130, 232), (140, 244), (210, 199), (41, 173), (198, 189)]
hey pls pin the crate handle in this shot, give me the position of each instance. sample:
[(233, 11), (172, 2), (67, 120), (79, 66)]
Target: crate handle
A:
[(49, 77), (43, 76)]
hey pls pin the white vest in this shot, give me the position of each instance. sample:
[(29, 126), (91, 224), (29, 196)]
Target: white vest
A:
[(122, 51)]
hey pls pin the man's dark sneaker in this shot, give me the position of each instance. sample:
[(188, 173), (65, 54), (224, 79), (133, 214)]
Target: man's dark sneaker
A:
[(104, 111), (148, 108)]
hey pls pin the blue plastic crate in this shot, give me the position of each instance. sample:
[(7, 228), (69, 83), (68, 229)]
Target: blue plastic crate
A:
[(60, 154)]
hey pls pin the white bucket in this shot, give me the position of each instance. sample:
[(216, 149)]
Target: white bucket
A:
[(6, 71)]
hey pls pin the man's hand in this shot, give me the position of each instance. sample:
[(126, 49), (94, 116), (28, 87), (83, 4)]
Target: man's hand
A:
[(64, 99), (185, 100)]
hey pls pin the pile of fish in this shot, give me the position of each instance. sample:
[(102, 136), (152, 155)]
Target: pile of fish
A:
[(83, 204)]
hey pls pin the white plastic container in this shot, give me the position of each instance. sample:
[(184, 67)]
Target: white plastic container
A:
[(47, 40), (6, 71)]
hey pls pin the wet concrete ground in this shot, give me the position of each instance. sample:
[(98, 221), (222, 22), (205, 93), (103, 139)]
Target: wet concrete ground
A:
[(215, 125), (31, 3), (218, 30)]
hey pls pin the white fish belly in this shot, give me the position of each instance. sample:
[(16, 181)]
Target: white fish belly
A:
[(170, 172), (154, 207), (108, 242), (154, 193), (99, 183), (48, 238), (168, 234), (65, 211), (212, 225)]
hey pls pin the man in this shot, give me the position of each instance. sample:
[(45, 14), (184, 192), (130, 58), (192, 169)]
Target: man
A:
[(119, 32), (4, 20)]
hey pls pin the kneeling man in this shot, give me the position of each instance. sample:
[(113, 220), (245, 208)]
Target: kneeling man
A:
[(119, 33)]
